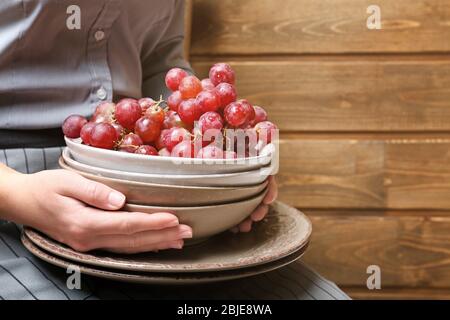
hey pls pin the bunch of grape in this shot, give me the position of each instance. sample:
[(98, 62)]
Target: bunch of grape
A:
[(195, 123)]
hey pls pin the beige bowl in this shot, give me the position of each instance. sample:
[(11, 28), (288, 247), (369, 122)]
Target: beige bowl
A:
[(207, 221), (248, 178), (130, 162), (168, 195)]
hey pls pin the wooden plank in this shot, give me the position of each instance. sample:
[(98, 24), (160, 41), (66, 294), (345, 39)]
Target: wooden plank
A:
[(356, 173), (361, 94), (411, 251), (397, 293), (309, 26)]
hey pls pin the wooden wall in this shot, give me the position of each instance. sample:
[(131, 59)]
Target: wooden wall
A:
[(365, 120)]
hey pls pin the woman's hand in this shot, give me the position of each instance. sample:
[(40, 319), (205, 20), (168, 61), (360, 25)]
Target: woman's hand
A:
[(82, 213), (262, 210)]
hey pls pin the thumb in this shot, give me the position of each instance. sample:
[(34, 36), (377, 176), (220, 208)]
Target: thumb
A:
[(93, 193)]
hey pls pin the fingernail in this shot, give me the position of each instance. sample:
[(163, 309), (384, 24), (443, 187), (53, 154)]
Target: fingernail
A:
[(116, 199), (270, 199), (185, 232), (173, 223), (176, 245)]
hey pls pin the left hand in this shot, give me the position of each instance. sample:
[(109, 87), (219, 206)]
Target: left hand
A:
[(262, 210)]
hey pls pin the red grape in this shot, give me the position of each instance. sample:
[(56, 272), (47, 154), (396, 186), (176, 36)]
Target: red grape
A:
[(105, 108), (236, 114), (159, 143), (147, 150), (207, 84), (128, 111), (265, 131), (175, 136), (208, 101), (86, 131), (72, 126), (130, 143), (146, 103), (199, 141), (174, 77), (174, 100), (172, 119), (210, 121), (164, 152), (220, 73), (189, 111), (119, 129), (147, 129), (184, 149), (260, 116), (249, 110), (229, 155), (227, 94), (210, 152), (190, 86), (103, 135), (156, 114)]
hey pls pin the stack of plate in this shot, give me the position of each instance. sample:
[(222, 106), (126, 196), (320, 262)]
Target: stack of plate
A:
[(275, 242), (209, 195)]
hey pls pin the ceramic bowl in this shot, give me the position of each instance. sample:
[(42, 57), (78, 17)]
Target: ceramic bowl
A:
[(167, 195), (247, 178), (207, 221), (130, 162)]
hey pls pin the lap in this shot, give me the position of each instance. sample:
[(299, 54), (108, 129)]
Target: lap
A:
[(24, 276)]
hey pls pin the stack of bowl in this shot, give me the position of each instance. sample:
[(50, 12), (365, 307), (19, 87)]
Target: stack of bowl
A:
[(209, 195)]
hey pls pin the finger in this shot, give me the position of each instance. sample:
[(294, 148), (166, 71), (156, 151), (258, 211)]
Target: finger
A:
[(246, 225), (143, 241), (260, 212), (91, 192), (272, 192), (119, 222), (177, 244)]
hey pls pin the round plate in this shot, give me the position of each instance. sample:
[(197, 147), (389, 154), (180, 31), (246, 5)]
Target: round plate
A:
[(110, 159), (211, 180), (284, 231), (152, 194), (158, 278)]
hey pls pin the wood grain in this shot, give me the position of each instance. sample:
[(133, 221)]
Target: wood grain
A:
[(309, 26), (411, 251), (407, 173), (362, 94), (362, 293)]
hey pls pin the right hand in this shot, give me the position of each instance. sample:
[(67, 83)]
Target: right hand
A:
[(84, 214)]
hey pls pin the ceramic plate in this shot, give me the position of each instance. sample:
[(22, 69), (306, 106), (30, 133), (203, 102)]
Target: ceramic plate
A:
[(161, 278), (131, 162), (167, 195), (283, 232), (202, 180)]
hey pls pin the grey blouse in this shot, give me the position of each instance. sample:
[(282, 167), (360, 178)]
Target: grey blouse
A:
[(60, 57)]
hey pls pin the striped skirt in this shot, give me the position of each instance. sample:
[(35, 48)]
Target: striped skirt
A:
[(22, 276)]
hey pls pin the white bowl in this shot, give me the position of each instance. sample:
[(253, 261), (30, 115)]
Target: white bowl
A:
[(207, 221), (168, 195), (130, 162), (248, 178)]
